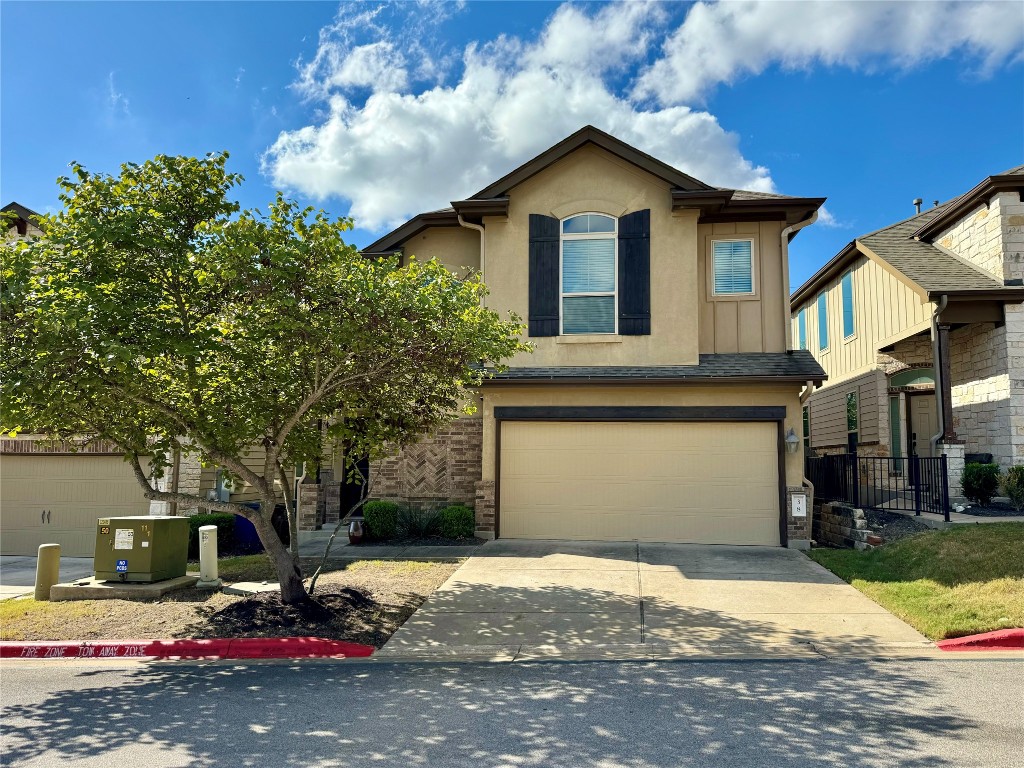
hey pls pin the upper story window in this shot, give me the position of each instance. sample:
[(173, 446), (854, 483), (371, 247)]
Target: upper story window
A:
[(822, 322), (801, 328), (589, 274), (846, 285), (733, 267)]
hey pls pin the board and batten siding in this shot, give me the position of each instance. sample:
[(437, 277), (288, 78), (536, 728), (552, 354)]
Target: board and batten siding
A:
[(884, 307), (828, 410), (739, 323), (254, 461)]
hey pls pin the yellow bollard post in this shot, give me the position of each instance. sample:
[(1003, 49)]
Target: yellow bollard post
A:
[(47, 570)]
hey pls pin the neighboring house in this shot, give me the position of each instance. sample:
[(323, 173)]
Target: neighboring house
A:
[(921, 330), (661, 388), (53, 492)]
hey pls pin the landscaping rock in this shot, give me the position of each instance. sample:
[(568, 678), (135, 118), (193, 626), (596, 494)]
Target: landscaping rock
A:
[(892, 526)]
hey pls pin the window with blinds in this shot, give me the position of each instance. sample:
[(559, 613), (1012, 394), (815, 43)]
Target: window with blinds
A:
[(589, 274), (733, 267)]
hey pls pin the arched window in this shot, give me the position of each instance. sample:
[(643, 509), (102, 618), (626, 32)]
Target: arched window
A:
[(589, 256)]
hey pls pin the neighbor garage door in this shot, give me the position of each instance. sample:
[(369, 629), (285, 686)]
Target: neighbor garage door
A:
[(57, 499), (701, 482)]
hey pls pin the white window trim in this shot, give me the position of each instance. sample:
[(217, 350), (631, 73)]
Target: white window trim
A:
[(562, 237), (753, 265)]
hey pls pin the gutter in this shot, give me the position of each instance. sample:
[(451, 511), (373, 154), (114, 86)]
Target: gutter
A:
[(788, 233), (483, 246), (937, 368)]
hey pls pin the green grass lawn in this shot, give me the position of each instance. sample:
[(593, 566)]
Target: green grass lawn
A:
[(951, 583)]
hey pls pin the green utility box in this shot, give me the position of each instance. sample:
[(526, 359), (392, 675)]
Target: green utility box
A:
[(141, 548)]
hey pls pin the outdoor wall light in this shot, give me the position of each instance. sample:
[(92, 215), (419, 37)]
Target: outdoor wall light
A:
[(792, 441)]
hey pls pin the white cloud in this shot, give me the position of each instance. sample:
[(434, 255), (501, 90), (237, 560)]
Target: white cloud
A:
[(409, 124), (117, 102), (721, 42), (827, 219)]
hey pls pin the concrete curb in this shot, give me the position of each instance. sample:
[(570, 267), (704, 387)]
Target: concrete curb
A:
[(1000, 640), (226, 648)]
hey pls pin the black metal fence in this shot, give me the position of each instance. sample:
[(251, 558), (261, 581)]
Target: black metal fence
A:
[(909, 483)]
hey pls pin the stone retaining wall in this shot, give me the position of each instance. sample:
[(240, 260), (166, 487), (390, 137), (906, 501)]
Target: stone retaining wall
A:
[(840, 525)]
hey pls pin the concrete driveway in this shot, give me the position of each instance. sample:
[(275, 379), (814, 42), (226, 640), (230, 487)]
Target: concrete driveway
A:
[(634, 600), (18, 573)]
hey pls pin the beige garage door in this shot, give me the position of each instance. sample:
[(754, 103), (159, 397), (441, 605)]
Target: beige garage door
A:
[(708, 483), (57, 499)]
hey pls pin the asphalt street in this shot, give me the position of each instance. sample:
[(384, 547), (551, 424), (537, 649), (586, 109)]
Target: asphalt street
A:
[(659, 715)]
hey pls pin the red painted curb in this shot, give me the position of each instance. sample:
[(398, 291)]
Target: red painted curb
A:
[(1000, 640), (225, 648)]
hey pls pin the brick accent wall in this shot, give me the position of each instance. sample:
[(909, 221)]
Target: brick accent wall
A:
[(42, 445), (485, 509), (799, 528), (444, 467)]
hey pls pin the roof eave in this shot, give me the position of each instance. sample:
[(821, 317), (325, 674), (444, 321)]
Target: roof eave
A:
[(495, 206), (633, 380), (393, 240), (826, 272), (1008, 295), (981, 193)]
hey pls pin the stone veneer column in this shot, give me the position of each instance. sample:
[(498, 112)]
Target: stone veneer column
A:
[(954, 467), (485, 509), (189, 474), (799, 528)]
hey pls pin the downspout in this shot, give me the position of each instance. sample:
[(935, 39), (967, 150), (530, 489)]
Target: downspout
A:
[(940, 385), (479, 228), (787, 234), (804, 397)]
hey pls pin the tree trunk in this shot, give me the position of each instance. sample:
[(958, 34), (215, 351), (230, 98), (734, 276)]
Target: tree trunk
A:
[(289, 574)]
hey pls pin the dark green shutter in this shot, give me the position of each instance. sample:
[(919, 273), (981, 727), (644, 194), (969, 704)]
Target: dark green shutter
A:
[(635, 274), (544, 280)]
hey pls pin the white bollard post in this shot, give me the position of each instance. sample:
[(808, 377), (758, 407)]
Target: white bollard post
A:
[(208, 578)]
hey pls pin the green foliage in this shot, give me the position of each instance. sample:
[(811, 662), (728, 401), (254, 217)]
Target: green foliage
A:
[(456, 522), (225, 532), (154, 313), (980, 482), (417, 523), (381, 520), (1013, 486)]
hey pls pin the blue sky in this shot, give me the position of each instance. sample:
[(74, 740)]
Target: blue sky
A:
[(381, 111)]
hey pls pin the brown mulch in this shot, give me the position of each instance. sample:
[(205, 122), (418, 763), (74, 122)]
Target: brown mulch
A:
[(992, 509), (363, 602)]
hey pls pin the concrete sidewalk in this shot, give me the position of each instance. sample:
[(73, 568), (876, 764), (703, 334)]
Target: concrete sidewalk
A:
[(585, 600), (18, 574)]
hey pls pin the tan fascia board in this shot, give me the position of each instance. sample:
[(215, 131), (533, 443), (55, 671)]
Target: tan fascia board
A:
[(907, 333), (825, 272), (864, 250)]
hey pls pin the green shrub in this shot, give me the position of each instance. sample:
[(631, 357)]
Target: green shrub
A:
[(1013, 486), (380, 519), (456, 522), (417, 523), (980, 482), (225, 523)]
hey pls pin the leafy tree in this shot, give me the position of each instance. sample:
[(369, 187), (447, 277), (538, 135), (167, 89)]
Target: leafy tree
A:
[(153, 313)]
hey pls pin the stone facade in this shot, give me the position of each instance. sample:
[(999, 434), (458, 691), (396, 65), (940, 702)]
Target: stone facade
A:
[(840, 525), (442, 468), (485, 509), (189, 477)]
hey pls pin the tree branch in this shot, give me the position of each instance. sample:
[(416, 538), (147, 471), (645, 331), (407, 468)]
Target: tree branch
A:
[(152, 494)]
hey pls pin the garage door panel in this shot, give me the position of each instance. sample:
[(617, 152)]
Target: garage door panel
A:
[(686, 482), (74, 490)]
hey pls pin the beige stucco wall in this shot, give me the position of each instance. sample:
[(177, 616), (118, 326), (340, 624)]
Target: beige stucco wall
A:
[(744, 323), (717, 395), (885, 308), (593, 180), (457, 248)]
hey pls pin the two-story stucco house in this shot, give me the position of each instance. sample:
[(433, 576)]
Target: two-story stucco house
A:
[(661, 387), (920, 328)]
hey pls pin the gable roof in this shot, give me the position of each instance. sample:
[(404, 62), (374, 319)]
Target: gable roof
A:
[(1011, 179), (25, 216), (930, 267), (712, 203)]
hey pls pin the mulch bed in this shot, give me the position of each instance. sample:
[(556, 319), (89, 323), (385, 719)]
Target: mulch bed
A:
[(992, 509), (425, 541), (892, 526)]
